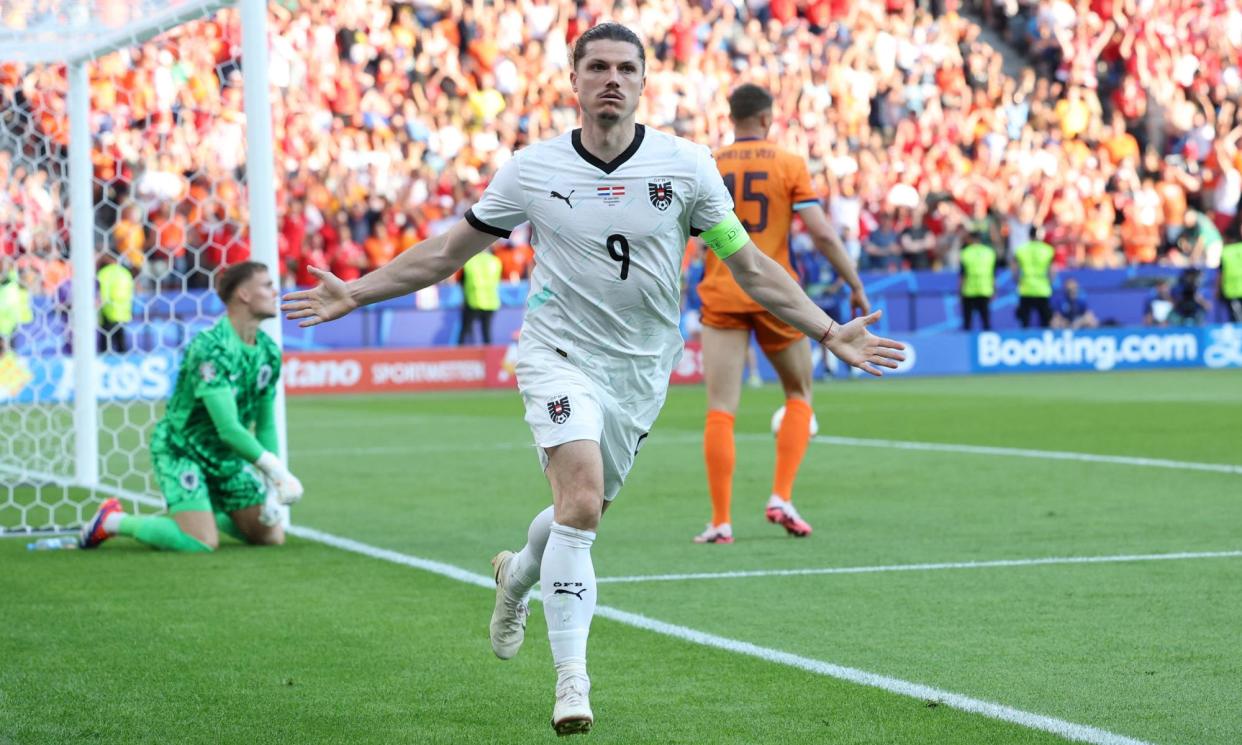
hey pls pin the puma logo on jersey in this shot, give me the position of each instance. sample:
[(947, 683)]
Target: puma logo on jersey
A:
[(556, 195), (563, 591)]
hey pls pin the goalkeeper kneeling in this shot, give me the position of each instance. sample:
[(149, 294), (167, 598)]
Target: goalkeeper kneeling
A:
[(216, 476)]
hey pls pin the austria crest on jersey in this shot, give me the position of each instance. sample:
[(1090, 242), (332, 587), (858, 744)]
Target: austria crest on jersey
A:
[(558, 409), (661, 192)]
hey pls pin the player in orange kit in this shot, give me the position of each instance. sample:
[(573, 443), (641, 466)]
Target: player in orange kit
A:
[(768, 185)]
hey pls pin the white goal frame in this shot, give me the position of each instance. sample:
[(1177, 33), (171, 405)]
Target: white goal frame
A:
[(76, 42)]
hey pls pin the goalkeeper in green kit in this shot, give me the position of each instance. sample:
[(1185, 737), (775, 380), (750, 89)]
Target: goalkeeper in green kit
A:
[(216, 476)]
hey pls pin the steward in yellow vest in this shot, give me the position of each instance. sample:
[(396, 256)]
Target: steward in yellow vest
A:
[(15, 307), (978, 283), (116, 305), (480, 285), (1229, 280), (1033, 262)]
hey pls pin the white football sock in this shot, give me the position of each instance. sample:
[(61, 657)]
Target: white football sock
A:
[(112, 523), (524, 567), (568, 584)]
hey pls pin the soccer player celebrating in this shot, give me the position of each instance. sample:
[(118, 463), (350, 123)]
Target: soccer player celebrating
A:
[(611, 207), (215, 475), (768, 185)]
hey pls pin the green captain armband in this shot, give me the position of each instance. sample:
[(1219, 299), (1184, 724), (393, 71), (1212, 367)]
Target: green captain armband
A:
[(727, 238)]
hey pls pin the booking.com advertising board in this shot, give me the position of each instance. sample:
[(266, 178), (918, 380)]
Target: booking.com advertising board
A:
[(1061, 351), (150, 376), (1074, 351)]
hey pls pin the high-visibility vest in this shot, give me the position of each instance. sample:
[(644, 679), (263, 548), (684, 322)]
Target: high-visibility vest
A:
[(1034, 260), (978, 271), (15, 307), (481, 283), (1231, 271), (116, 294)]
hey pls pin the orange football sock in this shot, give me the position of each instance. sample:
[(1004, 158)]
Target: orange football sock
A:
[(719, 454), (791, 442)]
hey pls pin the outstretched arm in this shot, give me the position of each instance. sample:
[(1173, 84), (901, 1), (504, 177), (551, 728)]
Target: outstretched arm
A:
[(420, 266), (771, 286), (1227, 147)]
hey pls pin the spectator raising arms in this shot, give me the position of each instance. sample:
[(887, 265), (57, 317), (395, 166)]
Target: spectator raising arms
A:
[(397, 117)]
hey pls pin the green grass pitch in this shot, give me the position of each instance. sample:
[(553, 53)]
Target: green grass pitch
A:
[(311, 644)]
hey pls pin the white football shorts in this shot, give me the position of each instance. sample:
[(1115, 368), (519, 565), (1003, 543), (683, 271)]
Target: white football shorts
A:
[(565, 402)]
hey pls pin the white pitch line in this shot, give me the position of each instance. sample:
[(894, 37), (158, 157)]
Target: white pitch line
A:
[(1123, 460), (683, 438), (1123, 558), (407, 450), (1060, 727), (396, 557), (1068, 730)]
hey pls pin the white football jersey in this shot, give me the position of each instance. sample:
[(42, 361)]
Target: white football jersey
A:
[(609, 240)]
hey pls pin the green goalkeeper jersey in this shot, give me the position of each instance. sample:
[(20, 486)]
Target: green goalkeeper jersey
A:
[(218, 361)]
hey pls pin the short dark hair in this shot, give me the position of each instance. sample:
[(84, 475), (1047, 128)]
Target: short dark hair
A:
[(235, 276), (608, 32), (748, 100)]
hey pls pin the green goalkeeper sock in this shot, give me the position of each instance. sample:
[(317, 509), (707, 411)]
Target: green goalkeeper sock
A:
[(225, 525), (160, 532)]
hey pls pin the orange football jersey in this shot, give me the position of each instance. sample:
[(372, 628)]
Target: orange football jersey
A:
[(767, 184)]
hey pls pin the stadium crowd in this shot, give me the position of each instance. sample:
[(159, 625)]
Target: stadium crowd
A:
[(1117, 139)]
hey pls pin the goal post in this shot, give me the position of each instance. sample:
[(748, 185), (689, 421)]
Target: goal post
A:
[(113, 118)]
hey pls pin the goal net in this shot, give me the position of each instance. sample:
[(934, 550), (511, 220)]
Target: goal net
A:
[(106, 267)]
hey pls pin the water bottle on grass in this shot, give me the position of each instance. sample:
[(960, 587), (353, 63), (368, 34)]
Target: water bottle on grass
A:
[(55, 543)]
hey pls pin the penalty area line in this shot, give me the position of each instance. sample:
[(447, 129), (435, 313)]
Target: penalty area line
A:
[(1069, 730)]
